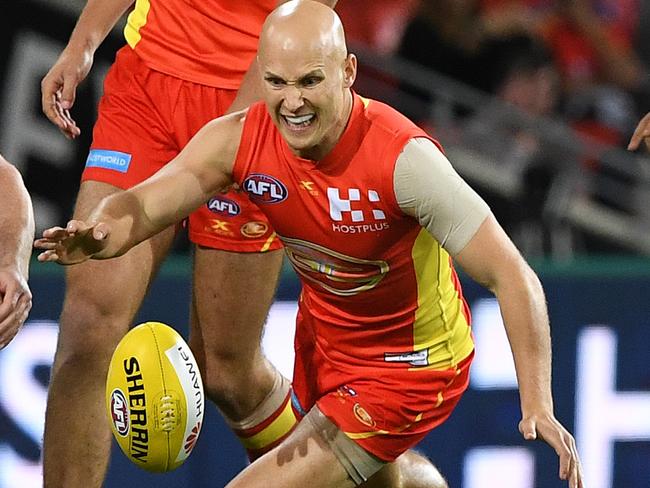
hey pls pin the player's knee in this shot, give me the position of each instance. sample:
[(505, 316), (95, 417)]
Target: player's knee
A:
[(88, 334), (236, 383), (416, 471), (221, 378)]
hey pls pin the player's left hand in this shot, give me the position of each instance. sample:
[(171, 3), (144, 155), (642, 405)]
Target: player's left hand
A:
[(15, 304), (641, 134), (550, 430)]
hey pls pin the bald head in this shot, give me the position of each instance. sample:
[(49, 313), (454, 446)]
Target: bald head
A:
[(303, 26), (307, 76)]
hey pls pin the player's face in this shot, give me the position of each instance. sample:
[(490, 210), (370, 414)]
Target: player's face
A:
[(308, 96)]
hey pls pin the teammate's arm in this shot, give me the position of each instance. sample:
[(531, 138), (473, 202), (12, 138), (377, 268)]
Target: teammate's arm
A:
[(16, 236), (249, 89), (641, 134), (427, 188), (127, 218), (59, 85)]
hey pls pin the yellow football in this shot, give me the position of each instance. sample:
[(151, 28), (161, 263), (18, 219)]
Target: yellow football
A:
[(154, 397)]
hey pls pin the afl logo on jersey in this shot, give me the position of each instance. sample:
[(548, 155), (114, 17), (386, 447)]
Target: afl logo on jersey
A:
[(224, 206), (265, 189)]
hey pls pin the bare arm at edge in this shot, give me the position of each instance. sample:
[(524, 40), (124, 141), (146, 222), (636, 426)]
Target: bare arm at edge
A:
[(59, 86), (16, 237)]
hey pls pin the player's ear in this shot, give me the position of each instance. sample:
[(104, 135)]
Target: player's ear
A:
[(350, 70)]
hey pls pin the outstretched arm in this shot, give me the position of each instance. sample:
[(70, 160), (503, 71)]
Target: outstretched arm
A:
[(127, 218), (16, 235), (59, 86)]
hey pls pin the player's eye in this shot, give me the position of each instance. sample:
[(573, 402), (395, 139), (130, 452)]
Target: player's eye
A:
[(311, 81), (274, 81)]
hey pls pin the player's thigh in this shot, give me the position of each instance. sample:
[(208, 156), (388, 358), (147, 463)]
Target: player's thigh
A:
[(410, 470), (103, 296), (232, 295), (303, 459)]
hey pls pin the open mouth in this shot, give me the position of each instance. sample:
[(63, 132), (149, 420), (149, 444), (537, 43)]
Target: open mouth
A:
[(298, 122)]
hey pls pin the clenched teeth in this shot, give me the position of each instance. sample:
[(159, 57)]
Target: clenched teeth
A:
[(299, 119)]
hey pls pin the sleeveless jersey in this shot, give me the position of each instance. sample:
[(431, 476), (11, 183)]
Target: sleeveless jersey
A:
[(211, 42), (376, 285)]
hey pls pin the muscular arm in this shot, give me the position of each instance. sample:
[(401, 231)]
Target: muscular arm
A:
[(492, 260), (428, 189), (16, 237), (95, 22), (127, 218), (16, 215)]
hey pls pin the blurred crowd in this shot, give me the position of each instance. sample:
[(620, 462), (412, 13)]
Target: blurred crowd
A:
[(584, 62), (587, 60)]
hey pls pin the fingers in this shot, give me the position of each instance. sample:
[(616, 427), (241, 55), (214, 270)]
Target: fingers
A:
[(100, 231), (56, 101), (14, 311), (51, 242), (48, 256), (49, 88), (12, 324), (642, 132), (76, 227), (9, 295), (74, 244), (555, 435), (69, 91)]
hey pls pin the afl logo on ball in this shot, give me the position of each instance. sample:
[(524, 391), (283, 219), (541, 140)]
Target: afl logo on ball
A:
[(224, 206), (120, 412), (254, 229), (265, 189)]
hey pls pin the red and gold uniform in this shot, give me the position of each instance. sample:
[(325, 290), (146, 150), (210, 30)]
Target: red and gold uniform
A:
[(383, 341), (181, 68)]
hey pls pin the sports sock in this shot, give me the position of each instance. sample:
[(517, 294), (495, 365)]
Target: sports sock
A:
[(271, 422)]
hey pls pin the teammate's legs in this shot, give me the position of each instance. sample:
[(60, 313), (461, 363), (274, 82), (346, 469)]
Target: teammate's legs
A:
[(232, 295), (101, 300), (236, 267)]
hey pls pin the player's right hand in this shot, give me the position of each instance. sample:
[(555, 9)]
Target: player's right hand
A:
[(59, 86), (74, 244)]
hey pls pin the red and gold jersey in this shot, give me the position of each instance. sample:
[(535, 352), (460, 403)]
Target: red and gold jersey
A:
[(376, 285), (211, 42)]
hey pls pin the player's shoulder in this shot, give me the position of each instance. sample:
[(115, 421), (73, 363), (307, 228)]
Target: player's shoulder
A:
[(384, 114), (226, 129), (388, 122)]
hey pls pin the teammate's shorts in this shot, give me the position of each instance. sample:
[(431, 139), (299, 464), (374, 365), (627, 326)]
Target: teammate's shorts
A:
[(383, 408), (145, 118)]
